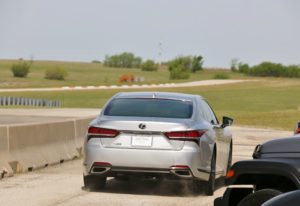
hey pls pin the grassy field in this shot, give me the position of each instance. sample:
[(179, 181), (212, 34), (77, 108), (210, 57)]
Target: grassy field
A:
[(91, 74), (271, 102)]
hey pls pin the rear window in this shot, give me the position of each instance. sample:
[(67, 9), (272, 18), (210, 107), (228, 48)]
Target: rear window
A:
[(164, 108)]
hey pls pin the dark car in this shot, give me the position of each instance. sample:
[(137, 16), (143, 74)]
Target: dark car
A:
[(289, 198), (274, 169)]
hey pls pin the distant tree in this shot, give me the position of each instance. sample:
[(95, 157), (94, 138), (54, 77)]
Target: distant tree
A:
[(197, 62), (270, 69), (243, 67), (149, 65), (180, 67), (267, 69), (123, 60), (234, 65), (96, 62), (22, 68)]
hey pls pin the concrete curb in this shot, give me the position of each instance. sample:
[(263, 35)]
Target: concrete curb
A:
[(5, 169), (27, 147), (80, 126)]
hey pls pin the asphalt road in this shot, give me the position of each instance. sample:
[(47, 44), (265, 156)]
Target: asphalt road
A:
[(61, 185)]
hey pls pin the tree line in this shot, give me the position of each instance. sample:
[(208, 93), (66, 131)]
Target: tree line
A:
[(266, 69), (179, 67)]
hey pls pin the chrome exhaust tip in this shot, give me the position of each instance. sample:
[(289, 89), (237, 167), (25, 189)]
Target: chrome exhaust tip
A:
[(99, 170), (182, 171), (100, 167)]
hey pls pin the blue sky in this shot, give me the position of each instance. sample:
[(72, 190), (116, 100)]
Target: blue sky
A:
[(219, 30)]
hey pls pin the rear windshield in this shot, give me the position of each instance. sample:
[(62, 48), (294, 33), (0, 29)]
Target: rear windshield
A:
[(164, 108)]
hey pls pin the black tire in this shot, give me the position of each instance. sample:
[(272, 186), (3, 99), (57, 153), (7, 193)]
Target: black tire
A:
[(229, 162), (94, 182), (259, 197), (210, 185)]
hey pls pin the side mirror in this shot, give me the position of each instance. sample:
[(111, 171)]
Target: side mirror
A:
[(227, 121)]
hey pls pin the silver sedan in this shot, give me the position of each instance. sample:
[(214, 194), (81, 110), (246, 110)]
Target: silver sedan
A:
[(157, 135)]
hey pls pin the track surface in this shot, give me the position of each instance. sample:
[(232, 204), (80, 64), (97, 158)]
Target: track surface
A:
[(134, 86), (61, 185)]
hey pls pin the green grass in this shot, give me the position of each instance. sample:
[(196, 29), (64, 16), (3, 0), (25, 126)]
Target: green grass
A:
[(91, 74), (221, 76), (272, 102)]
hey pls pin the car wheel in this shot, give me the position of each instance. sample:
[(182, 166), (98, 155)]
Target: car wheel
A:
[(210, 185), (259, 197), (229, 162), (94, 182)]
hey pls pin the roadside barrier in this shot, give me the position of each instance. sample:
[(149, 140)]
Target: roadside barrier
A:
[(24, 101), (27, 147), (5, 169), (80, 131)]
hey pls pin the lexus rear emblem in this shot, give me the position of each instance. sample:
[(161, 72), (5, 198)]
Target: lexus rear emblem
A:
[(142, 126)]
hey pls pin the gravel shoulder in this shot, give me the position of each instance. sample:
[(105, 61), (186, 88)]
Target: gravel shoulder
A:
[(61, 185)]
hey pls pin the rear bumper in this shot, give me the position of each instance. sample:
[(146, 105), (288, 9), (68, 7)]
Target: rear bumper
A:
[(142, 161), (112, 171)]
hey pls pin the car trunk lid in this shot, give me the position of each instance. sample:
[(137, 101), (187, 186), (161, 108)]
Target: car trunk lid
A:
[(141, 133)]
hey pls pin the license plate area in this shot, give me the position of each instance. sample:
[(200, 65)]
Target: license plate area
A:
[(142, 140)]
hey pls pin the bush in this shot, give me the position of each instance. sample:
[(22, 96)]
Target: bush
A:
[(123, 60), (149, 65), (179, 68), (292, 71), (179, 73), (21, 69), (243, 68), (96, 62), (266, 69), (56, 73), (221, 76), (269, 69)]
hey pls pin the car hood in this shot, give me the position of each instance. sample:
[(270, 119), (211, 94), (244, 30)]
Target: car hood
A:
[(282, 145)]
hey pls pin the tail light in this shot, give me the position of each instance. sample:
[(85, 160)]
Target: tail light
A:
[(102, 164), (181, 167), (297, 130), (97, 132), (230, 174), (185, 135)]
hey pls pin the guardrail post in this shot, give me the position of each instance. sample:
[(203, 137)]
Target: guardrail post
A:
[(24, 101)]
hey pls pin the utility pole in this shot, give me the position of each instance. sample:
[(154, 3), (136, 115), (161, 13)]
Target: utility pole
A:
[(160, 52)]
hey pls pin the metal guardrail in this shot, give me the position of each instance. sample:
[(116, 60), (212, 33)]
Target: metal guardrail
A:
[(24, 101)]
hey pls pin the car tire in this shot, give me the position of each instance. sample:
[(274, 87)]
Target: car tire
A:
[(229, 162), (94, 182), (210, 185), (259, 197)]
